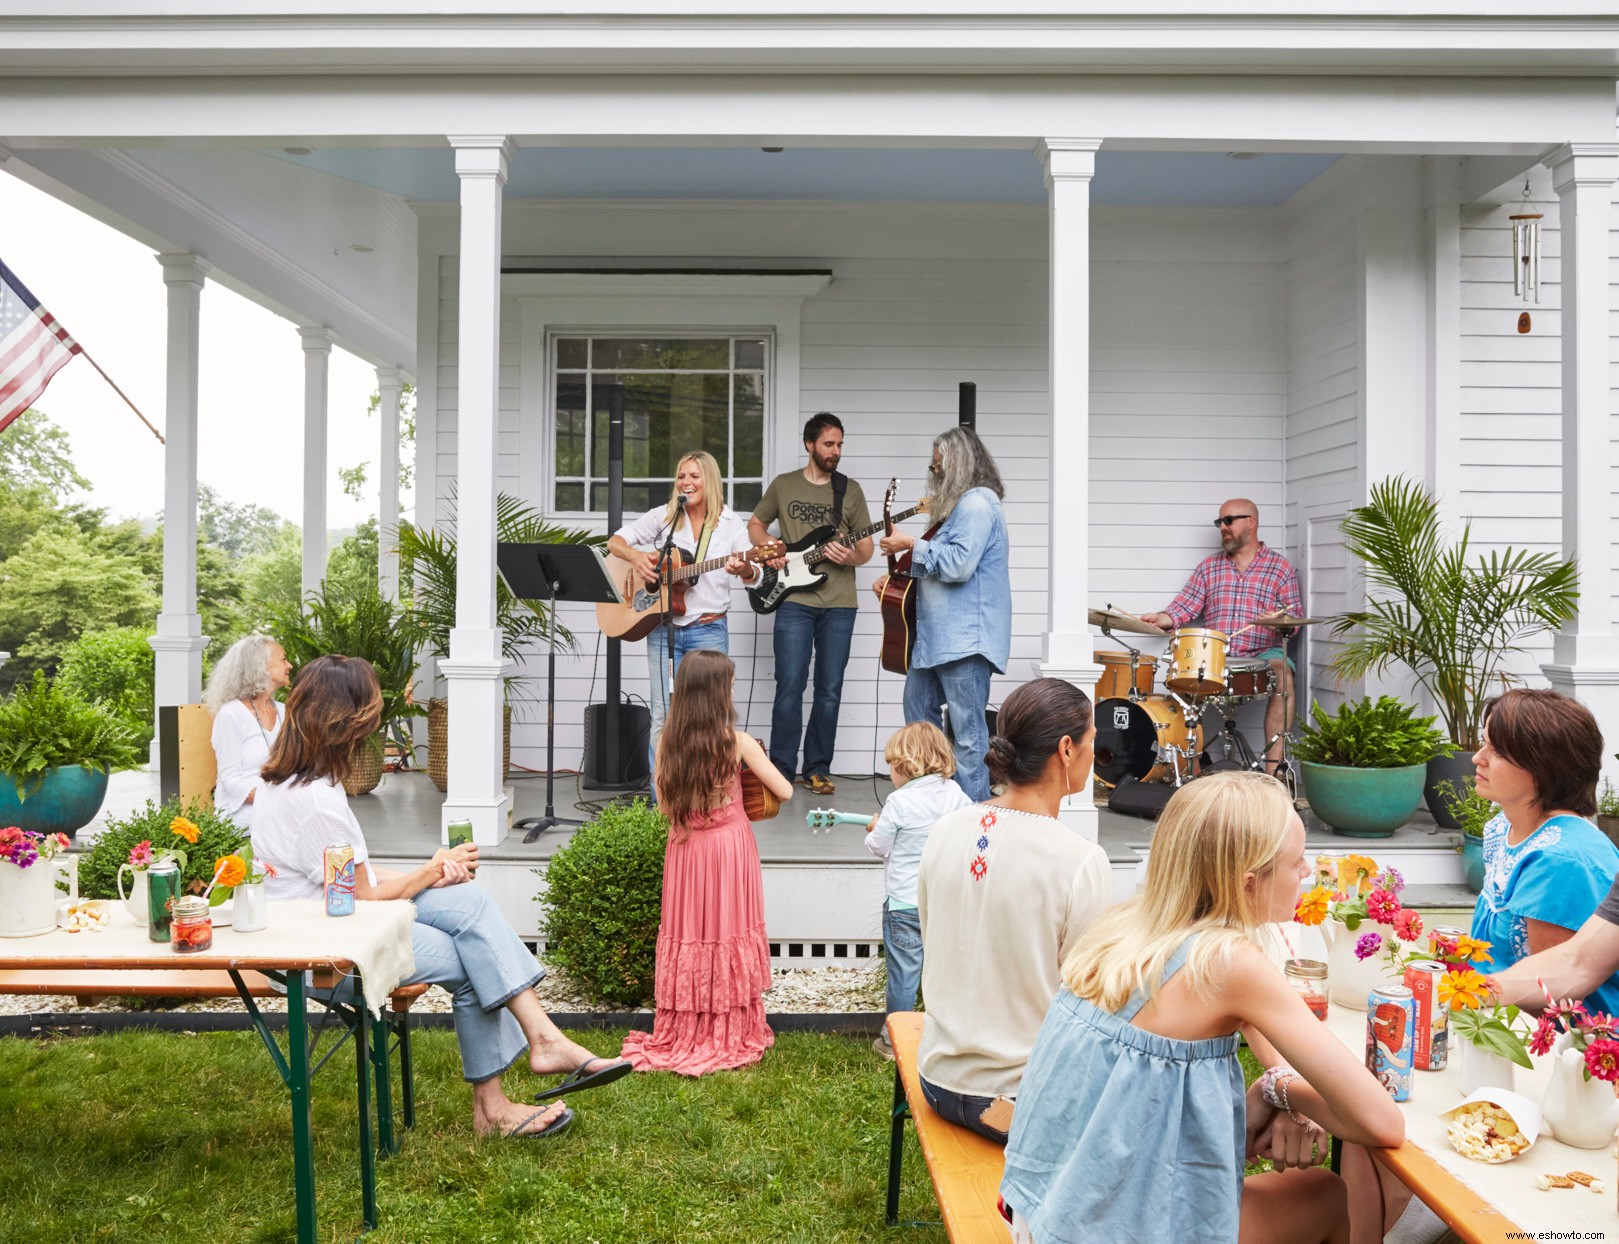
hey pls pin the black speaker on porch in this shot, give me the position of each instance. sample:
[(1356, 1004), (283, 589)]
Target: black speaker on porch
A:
[(991, 716), (1143, 799), (634, 728)]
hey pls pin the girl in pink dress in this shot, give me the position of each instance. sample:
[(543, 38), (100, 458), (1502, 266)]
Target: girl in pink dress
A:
[(713, 956)]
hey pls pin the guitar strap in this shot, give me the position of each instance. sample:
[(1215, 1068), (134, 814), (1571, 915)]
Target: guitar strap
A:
[(840, 485)]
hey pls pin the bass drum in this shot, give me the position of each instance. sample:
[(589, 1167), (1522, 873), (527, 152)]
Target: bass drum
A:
[(1131, 733)]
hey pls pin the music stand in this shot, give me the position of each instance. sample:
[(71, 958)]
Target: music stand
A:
[(554, 572)]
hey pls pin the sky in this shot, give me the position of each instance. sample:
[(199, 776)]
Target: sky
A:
[(108, 290)]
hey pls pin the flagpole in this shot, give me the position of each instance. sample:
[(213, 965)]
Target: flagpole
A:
[(123, 395)]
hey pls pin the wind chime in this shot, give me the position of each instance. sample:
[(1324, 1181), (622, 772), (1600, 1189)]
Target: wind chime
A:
[(1525, 255)]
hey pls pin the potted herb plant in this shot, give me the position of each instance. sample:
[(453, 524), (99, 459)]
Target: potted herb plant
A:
[(358, 623), (1364, 767), (56, 752), (427, 559), (1472, 812), (1453, 619)]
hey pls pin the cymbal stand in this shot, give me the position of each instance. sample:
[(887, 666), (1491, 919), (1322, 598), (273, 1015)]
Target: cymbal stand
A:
[(1136, 658), (1286, 767)]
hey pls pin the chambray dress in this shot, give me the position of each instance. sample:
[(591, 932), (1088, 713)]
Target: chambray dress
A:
[(1121, 1134)]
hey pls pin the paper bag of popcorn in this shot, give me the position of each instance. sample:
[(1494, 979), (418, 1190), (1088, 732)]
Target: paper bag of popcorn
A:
[(1492, 1125)]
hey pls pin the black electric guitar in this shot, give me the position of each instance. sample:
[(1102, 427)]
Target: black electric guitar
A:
[(803, 555)]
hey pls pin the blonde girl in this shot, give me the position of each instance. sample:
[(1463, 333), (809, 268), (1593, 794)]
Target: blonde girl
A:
[(1133, 1122)]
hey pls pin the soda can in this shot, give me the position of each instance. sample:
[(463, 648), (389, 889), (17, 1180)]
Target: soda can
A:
[(162, 888), (1442, 940), (1432, 1050), (1391, 1031), (460, 832), (338, 867)]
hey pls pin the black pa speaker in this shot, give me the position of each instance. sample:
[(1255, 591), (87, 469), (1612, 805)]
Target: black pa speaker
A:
[(634, 728), (1143, 799)]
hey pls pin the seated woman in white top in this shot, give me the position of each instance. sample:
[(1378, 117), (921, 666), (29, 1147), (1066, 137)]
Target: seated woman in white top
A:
[(241, 696), (1004, 892), (460, 939)]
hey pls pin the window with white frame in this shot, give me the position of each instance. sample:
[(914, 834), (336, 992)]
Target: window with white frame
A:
[(682, 392)]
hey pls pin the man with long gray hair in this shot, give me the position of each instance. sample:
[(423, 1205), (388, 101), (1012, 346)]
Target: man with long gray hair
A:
[(964, 599)]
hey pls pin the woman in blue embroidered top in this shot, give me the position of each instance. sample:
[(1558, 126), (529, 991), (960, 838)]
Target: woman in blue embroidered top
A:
[(1546, 866), (1131, 1122)]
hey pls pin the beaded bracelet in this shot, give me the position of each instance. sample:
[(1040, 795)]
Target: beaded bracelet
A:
[(1273, 1088)]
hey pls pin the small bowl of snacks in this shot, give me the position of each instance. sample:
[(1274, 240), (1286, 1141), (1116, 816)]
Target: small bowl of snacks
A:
[(1492, 1125), (84, 915)]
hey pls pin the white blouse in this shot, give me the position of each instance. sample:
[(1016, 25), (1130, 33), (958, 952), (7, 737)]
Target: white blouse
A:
[(708, 593), (292, 828), (241, 748)]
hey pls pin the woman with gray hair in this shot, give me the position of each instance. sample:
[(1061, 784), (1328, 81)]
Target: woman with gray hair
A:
[(964, 599), (241, 696)]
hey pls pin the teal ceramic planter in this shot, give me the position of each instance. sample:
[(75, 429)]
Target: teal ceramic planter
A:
[(1363, 803), (1473, 862), (64, 803)]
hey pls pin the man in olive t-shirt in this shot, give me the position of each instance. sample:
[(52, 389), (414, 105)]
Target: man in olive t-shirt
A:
[(815, 621)]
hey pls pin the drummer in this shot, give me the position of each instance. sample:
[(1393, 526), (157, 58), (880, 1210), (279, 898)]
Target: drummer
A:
[(1245, 580)]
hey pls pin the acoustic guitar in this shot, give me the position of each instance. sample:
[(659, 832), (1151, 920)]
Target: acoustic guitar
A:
[(758, 801), (646, 605), (899, 598)]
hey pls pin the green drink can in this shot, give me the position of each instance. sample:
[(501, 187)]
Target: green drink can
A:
[(162, 888), (460, 832)]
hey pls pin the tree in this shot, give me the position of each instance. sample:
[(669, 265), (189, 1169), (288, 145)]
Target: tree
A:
[(351, 567), (115, 669), (273, 578), (354, 477), (34, 452), (241, 530)]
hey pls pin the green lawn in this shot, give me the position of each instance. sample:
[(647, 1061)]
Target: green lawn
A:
[(151, 1137)]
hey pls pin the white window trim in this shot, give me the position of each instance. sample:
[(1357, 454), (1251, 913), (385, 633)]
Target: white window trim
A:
[(585, 304)]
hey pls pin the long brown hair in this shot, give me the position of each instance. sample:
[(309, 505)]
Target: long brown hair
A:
[(697, 750), (335, 705)]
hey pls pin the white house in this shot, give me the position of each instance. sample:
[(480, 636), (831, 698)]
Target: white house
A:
[(1184, 255)]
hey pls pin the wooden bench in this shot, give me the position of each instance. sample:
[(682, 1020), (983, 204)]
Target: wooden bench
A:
[(965, 1167), (392, 1034)]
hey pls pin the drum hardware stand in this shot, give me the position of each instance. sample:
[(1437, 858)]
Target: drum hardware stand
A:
[(1136, 658)]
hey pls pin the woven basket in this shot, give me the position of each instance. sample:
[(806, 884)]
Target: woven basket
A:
[(438, 743), (366, 770)]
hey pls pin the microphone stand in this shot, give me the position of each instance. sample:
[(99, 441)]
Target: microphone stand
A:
[(665, 569)]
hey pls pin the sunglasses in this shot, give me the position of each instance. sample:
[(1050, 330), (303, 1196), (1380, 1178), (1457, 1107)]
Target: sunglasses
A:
[(1225, 520)]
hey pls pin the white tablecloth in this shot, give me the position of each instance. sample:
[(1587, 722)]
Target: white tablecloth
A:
[(1510, 1186), (376, 939)]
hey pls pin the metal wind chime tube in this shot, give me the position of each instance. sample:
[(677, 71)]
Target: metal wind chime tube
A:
[(1526, 250)]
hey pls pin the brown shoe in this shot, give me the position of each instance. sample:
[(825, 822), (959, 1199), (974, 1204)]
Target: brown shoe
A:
[(820, 784)]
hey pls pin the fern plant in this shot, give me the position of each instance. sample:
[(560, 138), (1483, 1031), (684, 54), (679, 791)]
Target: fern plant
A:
[(44, 726), (1381, 734), (1452, 619)]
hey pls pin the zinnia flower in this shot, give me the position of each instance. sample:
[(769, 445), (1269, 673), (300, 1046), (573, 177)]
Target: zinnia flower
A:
[(1356, 872), (185, 829), (1599, 1025), (1602, 1059), (1463, 990), (1407, 925), (10, 836), (1368, 945), (1472, 948), (1312, 908), (140, 855), (1544, 1036), (62, 841), (229, 870), (1382, 906)]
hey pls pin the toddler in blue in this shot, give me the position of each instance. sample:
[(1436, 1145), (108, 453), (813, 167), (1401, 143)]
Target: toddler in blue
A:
[(922, 764)]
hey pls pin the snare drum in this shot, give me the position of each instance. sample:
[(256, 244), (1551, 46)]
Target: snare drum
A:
[(1197, 661), (1130, 736), (1247, 679), (1115, 680)]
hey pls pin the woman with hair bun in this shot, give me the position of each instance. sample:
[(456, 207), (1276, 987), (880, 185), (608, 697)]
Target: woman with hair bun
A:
[(1004, 892)]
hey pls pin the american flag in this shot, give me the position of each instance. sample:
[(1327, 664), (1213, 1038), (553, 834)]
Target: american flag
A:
[(33, 347)]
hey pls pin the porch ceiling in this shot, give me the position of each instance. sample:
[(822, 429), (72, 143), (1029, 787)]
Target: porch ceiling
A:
[(931, 175)]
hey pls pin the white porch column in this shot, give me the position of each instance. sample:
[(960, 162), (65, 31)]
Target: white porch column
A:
[(1442, 228), (317, 344), (1070, 163), (179, 640), (1585, 654), (475, 665), (389, 383)]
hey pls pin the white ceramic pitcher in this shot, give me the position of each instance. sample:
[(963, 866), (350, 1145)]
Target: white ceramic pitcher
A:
[(1580, 1112), (135, 900), (1350, 981), (28, 896)]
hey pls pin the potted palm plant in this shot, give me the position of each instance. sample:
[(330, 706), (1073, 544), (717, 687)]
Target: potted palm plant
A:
[(1453, 619), (358, 623), (1364, 766), (427, 560), (56, 752)]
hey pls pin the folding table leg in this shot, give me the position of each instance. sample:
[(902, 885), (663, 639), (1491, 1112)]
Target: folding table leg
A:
[(303, 1147), (407, 1072), (368, 1157), (896, 1146), (381, 1032)]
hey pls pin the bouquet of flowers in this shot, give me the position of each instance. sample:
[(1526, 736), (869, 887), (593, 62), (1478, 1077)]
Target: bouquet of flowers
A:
[(1593, 1034), (143, 854), (1474, 1012), (1352, 890), (23, 847)]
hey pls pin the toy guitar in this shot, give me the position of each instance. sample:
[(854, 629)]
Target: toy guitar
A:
[(824, 818), (803, 555)]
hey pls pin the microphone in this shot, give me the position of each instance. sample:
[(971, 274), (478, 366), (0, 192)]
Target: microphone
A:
[(680, 499)]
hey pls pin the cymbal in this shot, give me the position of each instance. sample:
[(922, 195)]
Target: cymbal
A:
[(1281, 620), (1117, 620)]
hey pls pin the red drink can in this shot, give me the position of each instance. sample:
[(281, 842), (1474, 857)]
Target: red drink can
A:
[(1432, 1046), (338, 868), (1442, 940)]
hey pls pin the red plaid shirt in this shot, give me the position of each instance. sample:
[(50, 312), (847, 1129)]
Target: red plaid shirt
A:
[(1229, 599)]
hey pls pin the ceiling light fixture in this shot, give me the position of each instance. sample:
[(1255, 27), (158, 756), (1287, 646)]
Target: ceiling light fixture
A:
[(299, 150), (1242, 155), (771, 150)]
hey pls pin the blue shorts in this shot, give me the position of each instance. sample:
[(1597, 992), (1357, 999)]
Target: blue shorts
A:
[(1271, 654)]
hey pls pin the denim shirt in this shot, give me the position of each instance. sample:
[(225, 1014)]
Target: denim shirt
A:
[(964, 589)]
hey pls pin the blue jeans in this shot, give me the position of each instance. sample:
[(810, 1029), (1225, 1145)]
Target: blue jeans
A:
[(963, 1109), (463, 943), (712, 635), (902, 949), (799, 628), (964, 686)]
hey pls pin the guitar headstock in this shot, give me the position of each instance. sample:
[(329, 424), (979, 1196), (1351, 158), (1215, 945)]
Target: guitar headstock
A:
[(922, 506), (888, 500), (820, 818), (765, 552)]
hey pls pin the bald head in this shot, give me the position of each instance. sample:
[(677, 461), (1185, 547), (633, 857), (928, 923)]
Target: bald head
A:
[(1238, 524)]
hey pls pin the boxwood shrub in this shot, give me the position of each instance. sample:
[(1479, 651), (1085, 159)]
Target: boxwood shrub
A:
[(216, 835)]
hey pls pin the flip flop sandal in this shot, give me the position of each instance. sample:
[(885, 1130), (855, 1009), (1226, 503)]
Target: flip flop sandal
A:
[(578, 1080), (555, 1127)]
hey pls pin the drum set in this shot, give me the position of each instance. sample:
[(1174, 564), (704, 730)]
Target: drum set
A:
[(1146, 735)]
